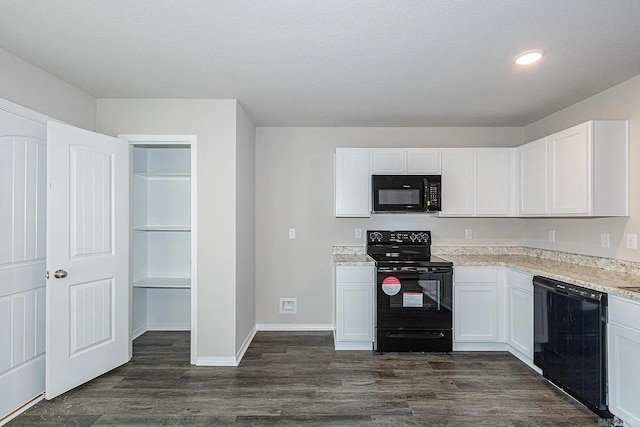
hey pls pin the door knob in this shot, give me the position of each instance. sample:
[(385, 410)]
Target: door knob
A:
[(60, 274)]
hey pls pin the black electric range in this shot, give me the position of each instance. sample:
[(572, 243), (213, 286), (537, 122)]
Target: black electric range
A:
[(414, 292)]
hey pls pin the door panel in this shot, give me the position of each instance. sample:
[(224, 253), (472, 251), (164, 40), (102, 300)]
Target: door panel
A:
[(88, 330)]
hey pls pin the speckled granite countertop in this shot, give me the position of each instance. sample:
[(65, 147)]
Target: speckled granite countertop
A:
[(591, 277), (601, 274)]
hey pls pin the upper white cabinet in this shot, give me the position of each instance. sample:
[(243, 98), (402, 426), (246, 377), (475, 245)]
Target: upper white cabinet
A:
[(353, 182), (399, 161), (423, 161), (533, 178), (389, 161), (478, 182), (581, 171), (458, 181)]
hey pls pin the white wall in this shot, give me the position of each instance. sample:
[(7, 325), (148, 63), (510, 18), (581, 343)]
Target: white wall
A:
[(31, 87), (295, 189), (583, 235), (214, 123), (245, 226)]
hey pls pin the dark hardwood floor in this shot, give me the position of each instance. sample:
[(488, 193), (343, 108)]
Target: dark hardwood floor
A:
[(296, 378)]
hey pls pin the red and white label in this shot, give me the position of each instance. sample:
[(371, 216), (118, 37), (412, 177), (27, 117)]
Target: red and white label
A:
[(391, 285)]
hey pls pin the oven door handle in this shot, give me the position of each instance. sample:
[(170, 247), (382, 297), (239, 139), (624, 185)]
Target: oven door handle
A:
[(430, 270), (415, 336)]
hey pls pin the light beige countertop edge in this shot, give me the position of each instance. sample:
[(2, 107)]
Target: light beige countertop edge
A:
[(599, 279)]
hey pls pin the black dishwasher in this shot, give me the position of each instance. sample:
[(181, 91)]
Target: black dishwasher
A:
[(570, 324)]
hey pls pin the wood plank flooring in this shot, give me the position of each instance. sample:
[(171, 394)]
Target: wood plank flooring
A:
[(296, 378)]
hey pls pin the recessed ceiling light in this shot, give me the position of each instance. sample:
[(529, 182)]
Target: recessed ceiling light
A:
[(529, 57)]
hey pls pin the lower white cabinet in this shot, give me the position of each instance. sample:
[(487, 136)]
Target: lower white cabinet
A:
[(478, 308), (623, 356), (354, 308), (520, 315)]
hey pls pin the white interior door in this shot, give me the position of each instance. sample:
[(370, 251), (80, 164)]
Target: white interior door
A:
[(87, 332)]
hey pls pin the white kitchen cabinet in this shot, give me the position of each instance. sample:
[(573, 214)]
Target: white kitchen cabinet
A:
[(580, 171), (161, 235), (623, 356), (495, 182), (533, 178), (478, 182), (354, 308), (423, 161), (389, 161), (520, 314), (478, 308), (458, 181), (353, 182)]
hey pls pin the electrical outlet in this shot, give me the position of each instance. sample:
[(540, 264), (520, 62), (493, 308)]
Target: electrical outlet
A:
[(552, 235), (292, 233), (632, 241), (468, 233), (604, 240), (358, 233)]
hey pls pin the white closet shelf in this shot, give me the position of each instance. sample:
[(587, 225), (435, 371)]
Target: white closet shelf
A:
[(162, 282), (163, 175), (146, 228)]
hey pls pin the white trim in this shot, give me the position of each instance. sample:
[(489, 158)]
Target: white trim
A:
[(168, 326), (479, 346), (24, 112), (353, 345), (293, 327), (21, 409), (192, 142), (245, 345), (141, 330), (216, 361)]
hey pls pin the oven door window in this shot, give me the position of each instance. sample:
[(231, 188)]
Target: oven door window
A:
[(421, 291)]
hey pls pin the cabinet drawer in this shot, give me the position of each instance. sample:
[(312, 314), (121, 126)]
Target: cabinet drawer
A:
[(354, 275), (519, 280), (476, 275), (624, 312)]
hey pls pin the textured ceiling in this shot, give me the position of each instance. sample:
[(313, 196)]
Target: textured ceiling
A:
[(336, 62)]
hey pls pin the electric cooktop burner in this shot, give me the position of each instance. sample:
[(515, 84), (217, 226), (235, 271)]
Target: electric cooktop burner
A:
[(403, 248)]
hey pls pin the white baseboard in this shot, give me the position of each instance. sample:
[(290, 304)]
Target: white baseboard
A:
[(245, 345), (293, 327), (21, 386), (216, 361), (168, 326), (479, 346), (141, 330)]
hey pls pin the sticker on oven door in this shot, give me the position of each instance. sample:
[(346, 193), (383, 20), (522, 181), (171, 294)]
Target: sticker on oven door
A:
[(412, 299), (391, 285)]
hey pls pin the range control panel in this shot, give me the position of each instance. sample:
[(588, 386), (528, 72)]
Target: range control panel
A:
[(403, 237)]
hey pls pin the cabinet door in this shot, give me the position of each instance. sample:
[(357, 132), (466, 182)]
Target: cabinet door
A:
[(571, 171), (423, 161), (624, 375), (475, 312), (458, 182), (353, 182), (389, 161), (533, 178), (520, 332), (494, 181), (354, 312)]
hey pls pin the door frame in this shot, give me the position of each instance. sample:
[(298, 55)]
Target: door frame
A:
[(191, 141)]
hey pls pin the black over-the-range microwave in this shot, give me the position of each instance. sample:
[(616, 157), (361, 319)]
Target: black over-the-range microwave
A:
[(406, 193)]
